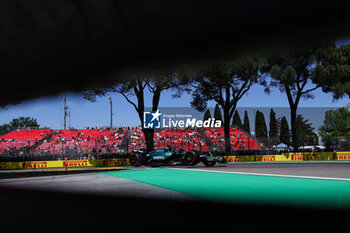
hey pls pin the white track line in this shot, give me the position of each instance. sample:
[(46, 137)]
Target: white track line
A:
[(265, 174)]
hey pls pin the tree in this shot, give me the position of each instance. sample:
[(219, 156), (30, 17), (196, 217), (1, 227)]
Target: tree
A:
[(246, 124), (336, 126), (332, 72), (291, 74), (217, 113), (23, 122), (207, 115), (273, 133), (284, 131), (136, 87), (260, 127), (305, 132), (4, 128), (225, 83), (236, 121)]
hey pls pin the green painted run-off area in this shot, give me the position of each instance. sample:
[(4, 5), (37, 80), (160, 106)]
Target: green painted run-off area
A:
[(252, 189)]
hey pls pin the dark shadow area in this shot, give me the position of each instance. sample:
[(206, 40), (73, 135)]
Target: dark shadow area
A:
[(63, 211), (49, 47), (16, 174)]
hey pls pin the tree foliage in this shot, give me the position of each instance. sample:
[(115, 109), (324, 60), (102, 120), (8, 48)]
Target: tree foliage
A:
[(207, 115), (305, 132), (24, 122), (332, 72), (273, 133), (156, 84), (236, 120), (225, 83), (284, 131), (246, 124), (21, 122), (290, 72), (217, 113), (336, 126), (260, 127), (4, 128)]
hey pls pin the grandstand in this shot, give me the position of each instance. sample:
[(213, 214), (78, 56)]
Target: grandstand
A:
[(80, 140), (105, 141), (190, 139), (239, 140)]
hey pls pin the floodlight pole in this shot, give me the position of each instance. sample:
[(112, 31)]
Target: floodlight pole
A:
[(110, 101), (65, 111)]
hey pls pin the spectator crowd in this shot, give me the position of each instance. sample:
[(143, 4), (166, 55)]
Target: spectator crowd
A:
[(104, 141)]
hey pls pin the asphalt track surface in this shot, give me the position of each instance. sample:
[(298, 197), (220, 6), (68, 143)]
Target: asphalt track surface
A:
[(321, 169), (257, 195)]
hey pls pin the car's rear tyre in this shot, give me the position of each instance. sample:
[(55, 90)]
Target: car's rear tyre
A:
[(136, 159), (191, 158)]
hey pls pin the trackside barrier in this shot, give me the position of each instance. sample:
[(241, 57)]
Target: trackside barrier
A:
[(302, 156), (62, 164)]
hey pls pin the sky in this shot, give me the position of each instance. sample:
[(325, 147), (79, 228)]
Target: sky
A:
[(49, 110)]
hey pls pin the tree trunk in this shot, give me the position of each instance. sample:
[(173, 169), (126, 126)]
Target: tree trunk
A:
[(155, 99), (227, 132), (149, 133), (293, 114), (293, 117)]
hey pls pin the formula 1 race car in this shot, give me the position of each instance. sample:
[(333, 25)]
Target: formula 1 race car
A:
[(173, 156)]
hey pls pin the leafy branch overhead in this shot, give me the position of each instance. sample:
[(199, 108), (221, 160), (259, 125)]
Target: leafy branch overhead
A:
[(133, 91), (333, 71), (225, 83), (291, 72)]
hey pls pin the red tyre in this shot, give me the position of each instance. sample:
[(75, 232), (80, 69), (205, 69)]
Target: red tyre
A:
[(135, 159), (191, 158)]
